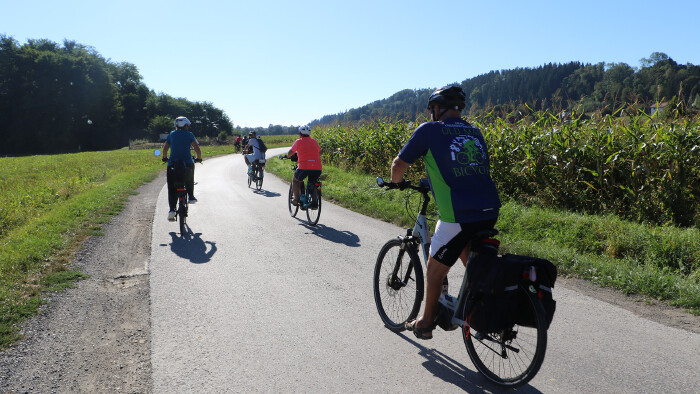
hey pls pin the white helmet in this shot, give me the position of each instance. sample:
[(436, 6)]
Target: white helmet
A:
[(305, 130), (181, 122)]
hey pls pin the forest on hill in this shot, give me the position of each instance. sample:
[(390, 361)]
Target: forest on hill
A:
[(67, 98), (586, 88)]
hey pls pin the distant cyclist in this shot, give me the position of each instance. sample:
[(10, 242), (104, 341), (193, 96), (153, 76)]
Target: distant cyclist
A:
[(309, 157), (457, 162), (255, 146), (179, 141)]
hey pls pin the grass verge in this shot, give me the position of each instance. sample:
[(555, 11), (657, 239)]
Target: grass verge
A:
[(662, 263), (35, 255)]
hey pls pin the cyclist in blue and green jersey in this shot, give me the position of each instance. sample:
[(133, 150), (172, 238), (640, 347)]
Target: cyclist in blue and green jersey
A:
[(456, 159)]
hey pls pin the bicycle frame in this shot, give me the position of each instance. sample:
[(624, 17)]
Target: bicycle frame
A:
[(420, 234)]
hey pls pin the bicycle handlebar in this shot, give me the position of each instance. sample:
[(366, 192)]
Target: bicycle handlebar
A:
[(405, 184), (165, 160)]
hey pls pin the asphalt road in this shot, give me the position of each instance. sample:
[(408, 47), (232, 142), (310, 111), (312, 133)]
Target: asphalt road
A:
[(258, 301)]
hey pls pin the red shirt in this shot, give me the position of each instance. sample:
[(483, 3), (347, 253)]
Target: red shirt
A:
[(309, 153)]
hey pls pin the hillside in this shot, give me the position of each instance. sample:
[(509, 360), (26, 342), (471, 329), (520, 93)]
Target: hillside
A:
[(602, 87)]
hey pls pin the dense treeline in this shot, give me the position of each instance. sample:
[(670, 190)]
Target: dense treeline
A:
[(68, 98), (269, 130), (601, 88)]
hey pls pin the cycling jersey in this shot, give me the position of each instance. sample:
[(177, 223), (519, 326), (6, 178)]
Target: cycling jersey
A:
[(309, 153), (457, 162), (180, 141), (257, 154)]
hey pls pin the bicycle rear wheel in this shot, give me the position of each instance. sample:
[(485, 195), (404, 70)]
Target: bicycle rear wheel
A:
[(259, 178), (250, 178), (398, 285), (313, 212), (182, 214), (512, 357), (293, 209)]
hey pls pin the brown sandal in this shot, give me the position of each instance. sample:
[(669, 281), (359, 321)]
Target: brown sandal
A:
[(420, 333)]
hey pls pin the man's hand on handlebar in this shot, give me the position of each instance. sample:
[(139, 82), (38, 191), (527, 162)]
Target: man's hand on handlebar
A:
[(197, 160), (393, 185), (164, 159)]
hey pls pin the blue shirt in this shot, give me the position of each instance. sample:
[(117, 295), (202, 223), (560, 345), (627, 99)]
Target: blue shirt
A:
[(457, 161), (180, 141)]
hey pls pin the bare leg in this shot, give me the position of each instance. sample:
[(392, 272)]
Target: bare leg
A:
[(436, 272), (296, 188)]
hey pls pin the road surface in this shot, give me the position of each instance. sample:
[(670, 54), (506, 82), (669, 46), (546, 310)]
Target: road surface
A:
[(258, 301)]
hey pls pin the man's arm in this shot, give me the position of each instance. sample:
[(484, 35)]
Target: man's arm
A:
[(166, 147), (398, 168), (195, 145)]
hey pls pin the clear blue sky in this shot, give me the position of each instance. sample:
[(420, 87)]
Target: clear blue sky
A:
[(290, 62)]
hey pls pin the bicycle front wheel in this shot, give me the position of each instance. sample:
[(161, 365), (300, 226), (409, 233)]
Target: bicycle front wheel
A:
[(293, 209), (512, 357), (313, 212), (258, 178), (398, 285)]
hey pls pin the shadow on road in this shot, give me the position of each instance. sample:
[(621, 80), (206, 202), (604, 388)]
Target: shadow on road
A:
[(192, 247), (452, 371), (266, 193), (330, 234)]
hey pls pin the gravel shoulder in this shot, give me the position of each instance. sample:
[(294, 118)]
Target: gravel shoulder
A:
[(96, 337)]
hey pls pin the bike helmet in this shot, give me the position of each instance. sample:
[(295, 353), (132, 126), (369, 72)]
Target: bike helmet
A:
[(252, 134), (305, 130), (451, 97), (181, 122)]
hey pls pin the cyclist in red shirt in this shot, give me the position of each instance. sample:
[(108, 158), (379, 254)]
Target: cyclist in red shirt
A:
[(309, 155)]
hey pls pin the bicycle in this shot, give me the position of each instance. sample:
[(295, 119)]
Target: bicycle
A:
[(182, 194), (256, 174), (309, 198), (510, 357)]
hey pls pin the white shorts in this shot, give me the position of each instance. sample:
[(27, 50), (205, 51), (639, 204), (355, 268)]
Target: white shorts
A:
[(450, 239)]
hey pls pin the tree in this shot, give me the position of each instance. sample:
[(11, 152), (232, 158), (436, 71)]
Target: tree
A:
[(654, 58)]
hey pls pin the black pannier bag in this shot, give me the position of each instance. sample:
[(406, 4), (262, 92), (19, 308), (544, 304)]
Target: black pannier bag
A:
[(177, 173), (491, 292), (546, 275)]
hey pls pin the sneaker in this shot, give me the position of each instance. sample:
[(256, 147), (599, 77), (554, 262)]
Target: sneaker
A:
[(191, 200), (171, 216)]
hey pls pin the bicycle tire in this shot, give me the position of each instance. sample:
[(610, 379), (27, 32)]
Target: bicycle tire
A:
[(293, 209), (511, 368), (250, 178), (313, 214), (398, 300), (182, 214), (258, 178)]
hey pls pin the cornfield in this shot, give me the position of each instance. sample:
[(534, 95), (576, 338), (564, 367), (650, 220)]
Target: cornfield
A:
[(636, 167)]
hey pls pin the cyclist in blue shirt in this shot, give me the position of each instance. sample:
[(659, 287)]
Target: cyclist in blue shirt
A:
[(179, 142), (457, 162)]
